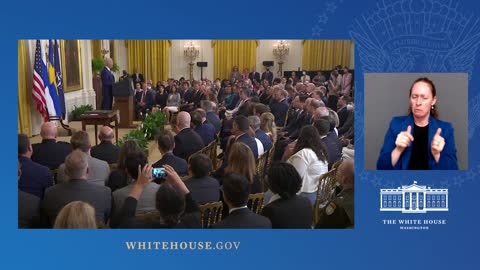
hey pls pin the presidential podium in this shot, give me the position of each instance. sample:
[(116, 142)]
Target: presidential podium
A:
[(123, 102)]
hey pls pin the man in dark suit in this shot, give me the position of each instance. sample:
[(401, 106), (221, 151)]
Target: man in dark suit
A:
[(137, 77), (342, 111), (254, 76), (204, 189), (243, 106), (76, 189), (267, 75), (106, 150), (212, 117), (254, 122), (107, 83), (49, 152), (205, 130), (240, 132), (166, 143), (330, 139), (28, 207), (187, 141), (236, 189), (302, 119), (339, 212), (35, 178), (279, 106)]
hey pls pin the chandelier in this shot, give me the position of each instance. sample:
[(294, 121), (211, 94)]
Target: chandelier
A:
[(281, 50), (191, 51)]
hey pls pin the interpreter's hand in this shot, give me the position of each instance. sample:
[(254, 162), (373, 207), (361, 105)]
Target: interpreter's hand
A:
[(144, 175), (404, 139), (438, 142)]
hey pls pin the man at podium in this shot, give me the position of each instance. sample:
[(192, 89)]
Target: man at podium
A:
[(107, 83)]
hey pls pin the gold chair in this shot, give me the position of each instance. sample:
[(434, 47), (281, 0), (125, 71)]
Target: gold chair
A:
[(211, 213), (255, 202), (53, 173), (186, 177), (148, 216), (260, 167), (336, 164), (325, 192), (113, 166), (207, 150)]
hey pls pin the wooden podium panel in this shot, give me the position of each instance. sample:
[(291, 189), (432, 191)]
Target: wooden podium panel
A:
[(125, 106)]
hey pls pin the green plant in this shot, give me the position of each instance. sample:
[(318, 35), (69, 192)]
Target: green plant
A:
[(136, 135), (115, 67), (97, 65), (153, 123), (77, 111)]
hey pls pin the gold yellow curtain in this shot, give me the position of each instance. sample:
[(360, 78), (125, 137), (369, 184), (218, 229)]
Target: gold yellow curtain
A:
[(96, 48), (150, 57), (326, 54), (230, 53), (24, 94)]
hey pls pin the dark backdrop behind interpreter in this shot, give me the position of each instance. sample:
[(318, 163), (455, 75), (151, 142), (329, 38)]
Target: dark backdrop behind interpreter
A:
[(386, 96)]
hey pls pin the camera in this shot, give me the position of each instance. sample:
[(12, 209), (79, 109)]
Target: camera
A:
[(158, 172)]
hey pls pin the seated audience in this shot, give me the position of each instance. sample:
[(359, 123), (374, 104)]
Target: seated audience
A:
[(28, 207), (174, 98), (205, 130), (187, 141), (286, 209), (267, 124), (259, 109), (339, 212), (166, 143), (173, 202), (146, 202), (77, 188), (161, 97), (119, 178), (309, 156), (331, 141), (76, 215), (241, 161), (279, 106), (106, 150), (98, 169), (49, 152), (35, 177), (236, 189), (259, 134), (240, 134), (204, 189)]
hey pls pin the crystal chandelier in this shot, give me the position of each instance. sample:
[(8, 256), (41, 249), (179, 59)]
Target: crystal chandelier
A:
[(191, 52), (280, 51)]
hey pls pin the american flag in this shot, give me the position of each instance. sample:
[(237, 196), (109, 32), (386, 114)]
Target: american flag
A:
[(38, 92)]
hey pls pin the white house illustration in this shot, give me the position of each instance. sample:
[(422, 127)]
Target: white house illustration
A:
[(414, 199)]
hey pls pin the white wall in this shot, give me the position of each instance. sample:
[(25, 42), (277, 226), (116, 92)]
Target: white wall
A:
[(179, 65), (120, 56), (292, 62)]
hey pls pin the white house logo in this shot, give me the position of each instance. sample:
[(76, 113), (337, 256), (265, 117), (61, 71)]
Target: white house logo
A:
[(414, 199)]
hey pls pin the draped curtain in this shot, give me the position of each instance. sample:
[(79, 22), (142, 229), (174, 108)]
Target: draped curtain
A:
[(230, 53), (326, 54), (24, 95), (150, 57), (96, 48)]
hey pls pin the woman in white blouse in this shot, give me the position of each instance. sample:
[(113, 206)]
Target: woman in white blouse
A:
[(309, 156)]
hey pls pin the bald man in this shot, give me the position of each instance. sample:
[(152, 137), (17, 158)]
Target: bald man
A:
[(106, 150), (187, 141), (49, 152), (339, 212)]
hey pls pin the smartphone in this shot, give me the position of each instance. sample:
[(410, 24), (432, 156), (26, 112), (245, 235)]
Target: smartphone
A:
[(158, 172)]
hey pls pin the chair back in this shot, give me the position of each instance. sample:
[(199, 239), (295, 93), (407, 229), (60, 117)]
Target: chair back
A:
[(325, 192), (261, 167), (113, 166), (54, 173), (211, 213), (148, 216), (255, 202)]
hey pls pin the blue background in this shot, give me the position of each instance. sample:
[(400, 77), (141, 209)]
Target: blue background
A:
[(371, 244)]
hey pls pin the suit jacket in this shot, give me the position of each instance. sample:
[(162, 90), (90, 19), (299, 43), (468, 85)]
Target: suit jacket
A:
[(279, 110), (295, 212), (206, 132), (187, 142), (448, 157), (178, 164), (303, 119), (204, 190), (254, 77), (264, 139), (267, 76), (50, 153), (35, 177), (58, 196), (99, 172), (342, 116), (334, 148), (213, 119), (107, 85), (250, 142), (348, 124), (106, 151), (243, 219), (138, 78), (28, 210)]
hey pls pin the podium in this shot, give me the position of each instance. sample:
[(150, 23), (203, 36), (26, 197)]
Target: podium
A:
[(123, 102)]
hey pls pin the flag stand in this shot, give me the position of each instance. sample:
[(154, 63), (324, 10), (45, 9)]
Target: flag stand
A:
[(64, 126)]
